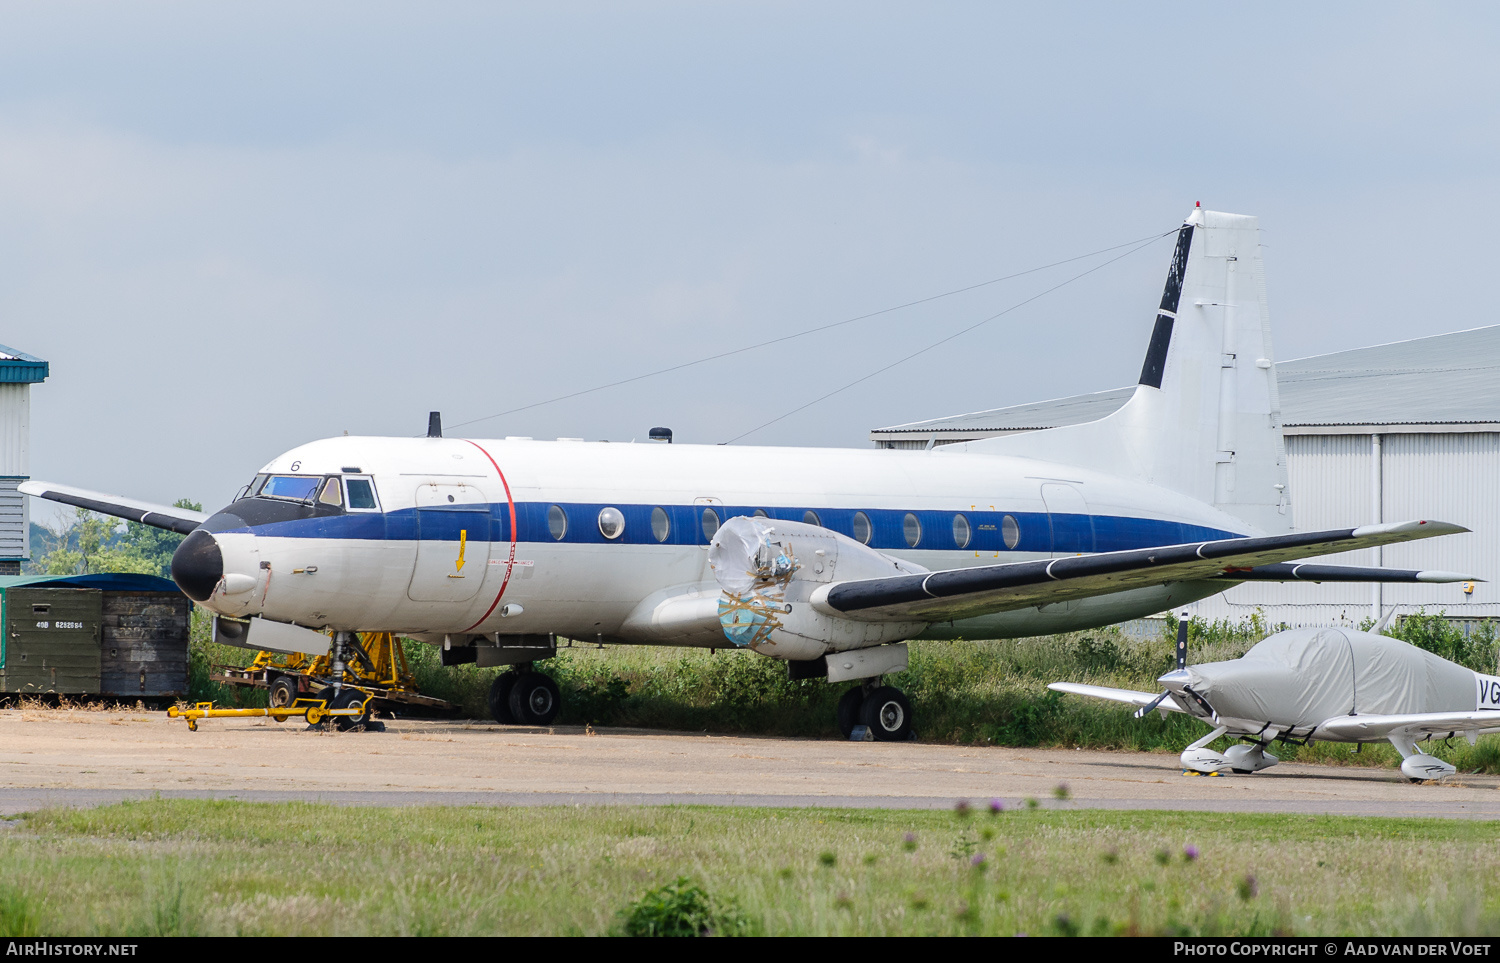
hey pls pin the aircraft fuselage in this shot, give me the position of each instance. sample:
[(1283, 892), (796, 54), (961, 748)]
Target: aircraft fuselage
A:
[(441, 536)]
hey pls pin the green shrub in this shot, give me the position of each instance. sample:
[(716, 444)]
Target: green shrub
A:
[(682, 908)]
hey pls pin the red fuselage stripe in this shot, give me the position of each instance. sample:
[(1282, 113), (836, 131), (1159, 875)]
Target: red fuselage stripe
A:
[(510, 563)]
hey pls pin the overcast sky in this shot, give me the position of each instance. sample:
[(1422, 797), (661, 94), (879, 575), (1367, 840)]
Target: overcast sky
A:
[(234, 228)]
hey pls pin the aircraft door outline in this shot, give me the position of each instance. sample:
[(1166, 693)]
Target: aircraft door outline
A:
[(453, 542)]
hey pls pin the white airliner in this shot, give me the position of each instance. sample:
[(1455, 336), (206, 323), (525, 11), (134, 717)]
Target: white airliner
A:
[(829, 559)]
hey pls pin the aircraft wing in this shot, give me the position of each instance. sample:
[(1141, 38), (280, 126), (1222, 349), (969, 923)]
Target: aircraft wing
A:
[(1415, 725), (970, 592), (1307, 572), (1128, 696), (179, 520)]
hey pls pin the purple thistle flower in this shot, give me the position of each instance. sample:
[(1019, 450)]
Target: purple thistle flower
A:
[(977, 860), (961, 807), (909, 838), (997, 806), (1189, 853)]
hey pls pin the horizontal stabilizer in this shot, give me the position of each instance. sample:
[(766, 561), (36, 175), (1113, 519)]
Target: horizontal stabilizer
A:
[(970, 592), (1127, 696), (1307, 572), (179, 520)]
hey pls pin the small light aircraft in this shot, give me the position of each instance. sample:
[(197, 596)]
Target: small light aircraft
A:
[(1328, 684), (828, 559)]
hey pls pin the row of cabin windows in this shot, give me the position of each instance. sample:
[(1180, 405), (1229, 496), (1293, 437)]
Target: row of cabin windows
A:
[(612, 526)]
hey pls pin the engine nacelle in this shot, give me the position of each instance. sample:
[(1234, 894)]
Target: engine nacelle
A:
[(769, 569)]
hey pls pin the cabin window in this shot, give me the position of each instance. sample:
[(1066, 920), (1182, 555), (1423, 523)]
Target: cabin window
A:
[(361, 492), (557, 522), (761, 513), (961, 532), (332, 493), (294, 487), (1010, 531), (661, 525), (710, 523), (810, 517), (862, 529), (611, 523), (912, 529)]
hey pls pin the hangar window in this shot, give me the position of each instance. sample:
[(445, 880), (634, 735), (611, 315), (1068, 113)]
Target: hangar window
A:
[(810, 517), (361, 493), (912, 529), (961, 531), (710, 523), (611, 523), (332, 493), (862, 529), (557, 522), (661, 525), (1010, 531), (292, 487)]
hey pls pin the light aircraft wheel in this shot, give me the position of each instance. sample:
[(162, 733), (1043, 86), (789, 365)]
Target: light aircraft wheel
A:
[(283, 692), (848, 710), (500, 697), (349, 699), (534, 700), (888, 714)]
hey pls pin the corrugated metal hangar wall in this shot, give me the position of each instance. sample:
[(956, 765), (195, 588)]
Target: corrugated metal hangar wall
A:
[(1385, 433)]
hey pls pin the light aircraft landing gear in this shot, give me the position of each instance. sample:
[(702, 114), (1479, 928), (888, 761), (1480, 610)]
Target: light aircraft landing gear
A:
[(524, 697), (882, 708)]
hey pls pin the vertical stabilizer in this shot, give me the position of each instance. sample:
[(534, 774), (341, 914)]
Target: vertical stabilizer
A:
[(1205, 419)]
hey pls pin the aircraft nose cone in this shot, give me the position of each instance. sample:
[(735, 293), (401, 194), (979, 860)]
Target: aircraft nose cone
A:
[(197, 565)]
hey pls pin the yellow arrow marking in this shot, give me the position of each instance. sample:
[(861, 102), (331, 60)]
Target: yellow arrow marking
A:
[(463, 543)]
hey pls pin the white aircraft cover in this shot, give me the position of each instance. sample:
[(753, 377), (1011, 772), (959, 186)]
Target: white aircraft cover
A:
[(1334, 673)]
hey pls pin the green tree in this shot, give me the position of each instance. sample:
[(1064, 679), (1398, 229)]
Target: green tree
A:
[(96, 543)]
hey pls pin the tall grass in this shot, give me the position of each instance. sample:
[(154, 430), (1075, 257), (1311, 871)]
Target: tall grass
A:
[(229, 868)]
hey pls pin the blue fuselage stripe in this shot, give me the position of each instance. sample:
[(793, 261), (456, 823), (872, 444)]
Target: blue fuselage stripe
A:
[(1039, 531)]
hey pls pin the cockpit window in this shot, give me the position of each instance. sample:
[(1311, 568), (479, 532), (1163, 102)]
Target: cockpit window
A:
[(361, 494), (333, 492), (295, 487)]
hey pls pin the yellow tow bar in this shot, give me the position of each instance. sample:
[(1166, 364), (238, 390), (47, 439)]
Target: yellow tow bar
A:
[(314, 711)]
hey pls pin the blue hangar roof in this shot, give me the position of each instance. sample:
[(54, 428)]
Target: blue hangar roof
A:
[(20, 368)]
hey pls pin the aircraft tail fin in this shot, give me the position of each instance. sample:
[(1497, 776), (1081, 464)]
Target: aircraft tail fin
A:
[(1205, 419)]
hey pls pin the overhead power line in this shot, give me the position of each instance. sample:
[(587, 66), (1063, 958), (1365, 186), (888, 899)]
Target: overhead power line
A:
[(811, 331)]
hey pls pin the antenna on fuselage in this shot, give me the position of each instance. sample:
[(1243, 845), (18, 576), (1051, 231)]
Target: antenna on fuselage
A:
[(434, 424), (1385, 620)]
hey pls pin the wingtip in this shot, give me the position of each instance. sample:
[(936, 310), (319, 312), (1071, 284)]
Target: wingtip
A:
[(1438, 576)]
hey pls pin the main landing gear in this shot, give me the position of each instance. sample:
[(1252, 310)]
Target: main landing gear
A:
[(882, 709), (524, 696)]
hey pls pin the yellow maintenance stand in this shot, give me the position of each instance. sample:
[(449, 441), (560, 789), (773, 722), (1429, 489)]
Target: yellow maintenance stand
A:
[(374, 675)]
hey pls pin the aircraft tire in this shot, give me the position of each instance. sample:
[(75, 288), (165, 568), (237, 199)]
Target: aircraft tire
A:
[(348, 699), (848, 710), (888, 714), (283, 692), (534, 699), (500, 697)]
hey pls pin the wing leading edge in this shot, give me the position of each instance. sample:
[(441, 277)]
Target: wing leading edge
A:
[(970, 592), (179, 520)]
